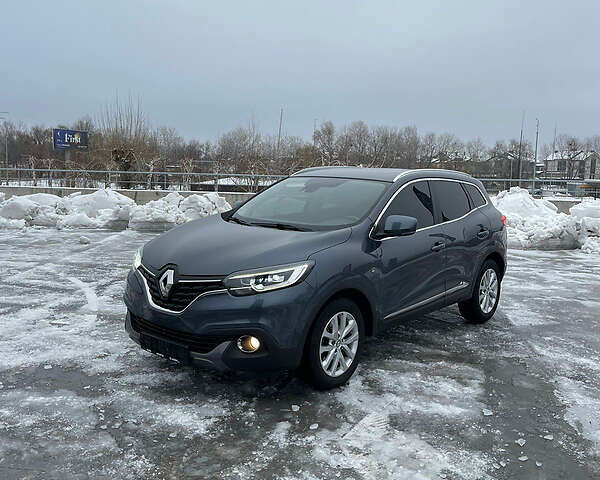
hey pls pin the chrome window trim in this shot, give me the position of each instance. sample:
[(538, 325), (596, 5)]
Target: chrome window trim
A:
[(166, 310), (388, 203), (458, 287)]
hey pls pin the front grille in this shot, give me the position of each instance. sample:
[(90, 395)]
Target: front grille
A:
[(181, 294), (196, 343)]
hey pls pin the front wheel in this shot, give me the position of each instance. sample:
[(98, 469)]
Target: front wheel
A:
[(333, 349), (482, 305)]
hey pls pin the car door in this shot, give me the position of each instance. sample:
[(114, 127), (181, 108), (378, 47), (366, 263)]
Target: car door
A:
[(465, 231), (411, 265)]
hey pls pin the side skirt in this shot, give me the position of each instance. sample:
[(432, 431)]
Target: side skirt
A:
[(440, 296)]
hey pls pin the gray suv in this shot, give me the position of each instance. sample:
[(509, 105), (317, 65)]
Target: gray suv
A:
[(299, 275)]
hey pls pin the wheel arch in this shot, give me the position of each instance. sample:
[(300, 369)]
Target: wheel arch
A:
[(496, 257), (361, 301), (351, 293)]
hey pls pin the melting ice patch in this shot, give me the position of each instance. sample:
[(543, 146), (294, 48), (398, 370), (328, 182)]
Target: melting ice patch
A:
[(582, 409)]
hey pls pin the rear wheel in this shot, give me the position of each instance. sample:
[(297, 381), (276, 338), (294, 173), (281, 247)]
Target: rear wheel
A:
[(333, 349), (482, 305)]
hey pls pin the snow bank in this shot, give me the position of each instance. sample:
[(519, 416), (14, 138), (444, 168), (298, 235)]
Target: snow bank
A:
[(174, 209), (535, 224), (589, 207), (591, 245), (19, 208), (91, 204), (106, 209)]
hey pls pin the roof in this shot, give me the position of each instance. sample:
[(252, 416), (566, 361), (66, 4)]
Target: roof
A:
[(569, 155), (380, 174), (241, 181)]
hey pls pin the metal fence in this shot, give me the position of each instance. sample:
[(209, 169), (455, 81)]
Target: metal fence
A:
[(237, 182), (134, 180)]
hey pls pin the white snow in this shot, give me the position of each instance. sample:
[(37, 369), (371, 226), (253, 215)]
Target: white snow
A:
[(92, 203), (536, 224), (106, 209), (174, 209), (589, 207)]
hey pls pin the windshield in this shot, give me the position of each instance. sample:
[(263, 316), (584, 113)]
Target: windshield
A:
[(312, 203)]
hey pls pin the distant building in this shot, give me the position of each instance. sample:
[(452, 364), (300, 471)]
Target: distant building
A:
[(572, 164)]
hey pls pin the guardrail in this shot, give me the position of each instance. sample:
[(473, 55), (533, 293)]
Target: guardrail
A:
[(229, 182)]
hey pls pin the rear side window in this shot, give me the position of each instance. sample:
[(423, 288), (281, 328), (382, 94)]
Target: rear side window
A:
[(451, 198), (475, 194), (414, 200)]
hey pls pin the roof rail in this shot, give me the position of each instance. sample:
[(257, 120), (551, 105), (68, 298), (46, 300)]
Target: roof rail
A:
[(310, 169), (400, 175)]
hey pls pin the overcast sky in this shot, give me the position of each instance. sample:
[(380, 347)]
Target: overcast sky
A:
[(468, 68)]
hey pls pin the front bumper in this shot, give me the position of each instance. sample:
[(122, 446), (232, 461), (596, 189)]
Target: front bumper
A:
[(208, 329)]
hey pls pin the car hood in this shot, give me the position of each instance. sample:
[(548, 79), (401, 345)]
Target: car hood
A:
[(213, 246)]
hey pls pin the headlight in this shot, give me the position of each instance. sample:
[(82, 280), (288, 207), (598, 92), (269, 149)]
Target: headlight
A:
[(137, 260), (265, 279)]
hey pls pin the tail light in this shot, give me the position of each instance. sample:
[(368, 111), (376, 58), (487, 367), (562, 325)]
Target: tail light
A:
[(503, 219)]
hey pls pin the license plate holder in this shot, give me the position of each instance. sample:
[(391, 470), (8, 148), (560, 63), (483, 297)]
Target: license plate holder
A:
[(172, 350)]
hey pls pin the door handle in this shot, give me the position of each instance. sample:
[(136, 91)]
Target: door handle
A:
[(437, 246), (483, 234)]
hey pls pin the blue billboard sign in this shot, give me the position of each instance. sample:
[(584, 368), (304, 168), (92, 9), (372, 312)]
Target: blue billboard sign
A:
[(69, 139)]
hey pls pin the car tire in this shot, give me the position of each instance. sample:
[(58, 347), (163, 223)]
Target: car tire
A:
[(481, 307), (326, 340)]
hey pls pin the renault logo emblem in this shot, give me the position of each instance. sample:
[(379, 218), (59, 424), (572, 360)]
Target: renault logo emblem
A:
[(165, 282)]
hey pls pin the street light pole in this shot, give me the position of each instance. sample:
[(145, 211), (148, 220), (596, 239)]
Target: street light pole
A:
[(520, 147), (537, 133), (5, 145)]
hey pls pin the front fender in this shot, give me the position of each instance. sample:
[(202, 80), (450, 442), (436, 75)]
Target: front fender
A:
[(339, 283)]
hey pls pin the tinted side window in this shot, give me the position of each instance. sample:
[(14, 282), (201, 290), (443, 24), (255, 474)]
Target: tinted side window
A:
[(475, 195), (451, 198), (414, 200)]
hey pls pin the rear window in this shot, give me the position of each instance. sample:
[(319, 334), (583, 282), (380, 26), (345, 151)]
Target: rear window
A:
[(451, 198), (475, 194)]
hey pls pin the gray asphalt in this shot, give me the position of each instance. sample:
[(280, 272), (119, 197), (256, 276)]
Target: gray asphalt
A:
[(433, 397)]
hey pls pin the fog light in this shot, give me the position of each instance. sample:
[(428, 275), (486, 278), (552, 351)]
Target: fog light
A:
[(248, 344)]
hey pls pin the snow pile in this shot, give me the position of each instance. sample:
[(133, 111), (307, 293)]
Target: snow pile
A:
[(11, 224), (19, 208), (174, 209), (588, 213), (588, 208), (106, 209), (535, 224), (92, 204)]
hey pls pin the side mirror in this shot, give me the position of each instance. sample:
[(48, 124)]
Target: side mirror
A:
[(399, 226), (236, 204)]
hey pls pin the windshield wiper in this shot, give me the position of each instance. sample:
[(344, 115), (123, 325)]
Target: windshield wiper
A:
[(280, 226), (237, 220)]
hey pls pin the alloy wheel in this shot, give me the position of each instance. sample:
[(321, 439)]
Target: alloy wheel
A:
[(488, 291), (339, 344)]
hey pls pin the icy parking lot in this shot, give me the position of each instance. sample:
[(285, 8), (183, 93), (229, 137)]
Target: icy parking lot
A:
[(518, 397)]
